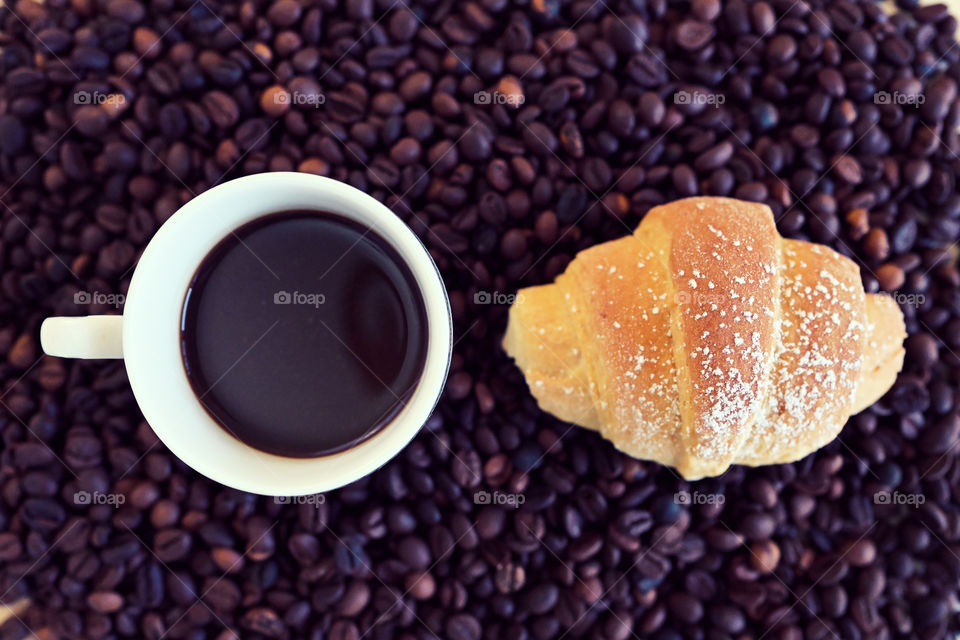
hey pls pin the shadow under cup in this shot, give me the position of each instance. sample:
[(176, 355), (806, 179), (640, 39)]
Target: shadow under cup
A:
[(303, 333)]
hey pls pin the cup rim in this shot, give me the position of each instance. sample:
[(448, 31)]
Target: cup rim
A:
[(152, 322)]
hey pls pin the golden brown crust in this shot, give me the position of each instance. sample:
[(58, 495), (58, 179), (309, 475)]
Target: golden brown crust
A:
[(884, 350), (722, 257), (619, 298), (549, 347), (705, 339), (822, 338)]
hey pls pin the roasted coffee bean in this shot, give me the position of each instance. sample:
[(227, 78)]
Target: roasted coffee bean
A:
[(105, 601), (714, 157), (941, 436), (221, 109), (627, 33), (541, 598), (13, 135), (693, 35), (414, 552), (263, 620), (685, 607), (171, 545), (764, 556), (10, 547), (462, 626)]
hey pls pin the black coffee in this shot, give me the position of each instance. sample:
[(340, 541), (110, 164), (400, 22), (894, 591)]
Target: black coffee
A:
[(303, 333)]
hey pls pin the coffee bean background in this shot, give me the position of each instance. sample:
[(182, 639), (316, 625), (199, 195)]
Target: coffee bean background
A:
[(509, 136)]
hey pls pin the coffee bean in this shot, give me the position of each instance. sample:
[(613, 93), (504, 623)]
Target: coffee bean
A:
[(221, 109), (541, 598), (403, 24), (684, 180), (475, 143), (782, 48), (509, 578), (727, 618), (105, 601), (406, 151), (540, 139), (876, 244), (513, 245), (462, 626), (414, 552), (23, 352), (171, 545), (714, 157), (940, 93), (862, 553), (305, 547), (284, 13), (13, 135), (355, 598), (685, 607), (692, 35), (420, 585), (652, 109), (922, 349), (622, 119), (942, 436), (10, 547), (765, 556), (757, 526), (626, 33), (275, 101), (890, 276), (263, 621), (931, 610)]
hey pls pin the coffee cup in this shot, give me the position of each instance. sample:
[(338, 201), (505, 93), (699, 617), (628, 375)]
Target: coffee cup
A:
[(148, 336)]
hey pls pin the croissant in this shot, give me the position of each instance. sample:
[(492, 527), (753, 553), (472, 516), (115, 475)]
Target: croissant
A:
[(705, 339)]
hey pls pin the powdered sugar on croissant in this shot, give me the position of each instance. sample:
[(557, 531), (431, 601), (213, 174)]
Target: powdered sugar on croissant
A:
[(705, 339)]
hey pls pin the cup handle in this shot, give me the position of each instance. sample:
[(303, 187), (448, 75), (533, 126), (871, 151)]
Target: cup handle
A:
[(84, 337)]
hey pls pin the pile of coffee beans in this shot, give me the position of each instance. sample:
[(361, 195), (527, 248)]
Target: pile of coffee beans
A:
[(508, 135)]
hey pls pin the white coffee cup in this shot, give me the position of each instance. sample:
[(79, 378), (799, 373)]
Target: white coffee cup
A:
[(147, 335)]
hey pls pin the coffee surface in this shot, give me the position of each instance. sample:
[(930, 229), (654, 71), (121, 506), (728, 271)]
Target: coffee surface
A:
[(303, 333)]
